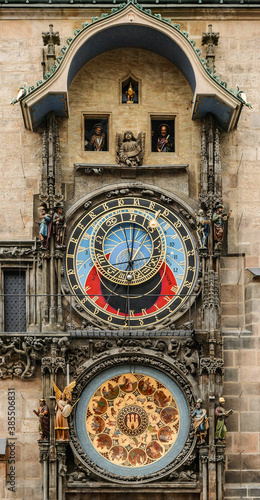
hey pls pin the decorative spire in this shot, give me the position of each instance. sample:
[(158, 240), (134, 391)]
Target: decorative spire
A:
[(211, 40), (51, 39)]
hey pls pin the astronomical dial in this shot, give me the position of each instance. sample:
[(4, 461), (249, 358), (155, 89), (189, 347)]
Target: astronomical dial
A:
[(131, 262), (128, 247)]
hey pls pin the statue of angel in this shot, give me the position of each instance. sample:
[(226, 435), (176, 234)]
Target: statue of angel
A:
[(61, 422), (129, 150)]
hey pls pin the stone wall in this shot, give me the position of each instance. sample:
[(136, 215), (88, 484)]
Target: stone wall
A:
[(22, 451)]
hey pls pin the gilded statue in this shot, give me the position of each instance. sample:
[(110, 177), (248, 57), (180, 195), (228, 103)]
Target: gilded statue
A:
[(130, 93), (62, 400)]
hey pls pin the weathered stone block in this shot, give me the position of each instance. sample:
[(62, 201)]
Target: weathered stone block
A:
[(245, 358), (233, 422), (230, 293), (231, 375), (232, 389), (250, 374), (228, 358), (245, 477), (254, 492), (237, 403), (254, 404), (251, 462), (249, 421), (235, 492), (245, 441)]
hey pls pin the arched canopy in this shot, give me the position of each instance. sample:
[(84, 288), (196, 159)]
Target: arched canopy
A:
[(131, 26)]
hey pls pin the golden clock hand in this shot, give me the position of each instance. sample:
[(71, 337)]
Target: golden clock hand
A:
[(133, 238), (133, 258), (126, 240), (154, 222)]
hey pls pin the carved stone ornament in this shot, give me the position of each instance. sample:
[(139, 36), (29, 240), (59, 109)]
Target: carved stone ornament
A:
[(129, 149), (113, 360), (44, 451), (15, 251), (210, 365), (185, 353), (18, 356), (52, 365)]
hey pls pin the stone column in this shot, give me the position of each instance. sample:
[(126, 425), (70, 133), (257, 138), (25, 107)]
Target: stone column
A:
[(204, 456), (62, 467), (220, 460), (44, 456)]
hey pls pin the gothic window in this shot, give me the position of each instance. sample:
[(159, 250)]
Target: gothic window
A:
[(14, 301)]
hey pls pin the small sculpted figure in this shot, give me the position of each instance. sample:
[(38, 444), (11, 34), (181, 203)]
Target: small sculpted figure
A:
[(130, 151), (59, 226), (130, 93), (44, 420), (97, 141), (202, 228), (219, 219), (201, 423), (164, 141), (61, 422), (220, 421), (44, 223)]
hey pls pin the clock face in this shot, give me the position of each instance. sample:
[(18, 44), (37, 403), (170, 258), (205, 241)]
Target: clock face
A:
[(131, 262)]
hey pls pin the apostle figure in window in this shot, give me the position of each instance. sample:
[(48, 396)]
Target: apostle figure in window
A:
[(97, 141), (164, 141)]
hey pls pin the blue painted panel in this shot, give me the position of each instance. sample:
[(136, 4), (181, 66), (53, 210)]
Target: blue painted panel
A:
[(51, 102), (132, 36), (212, 104), (81, 420)]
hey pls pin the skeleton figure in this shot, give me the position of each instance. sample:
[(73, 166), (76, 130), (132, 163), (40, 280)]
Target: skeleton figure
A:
[(202, 228), (129, 150)]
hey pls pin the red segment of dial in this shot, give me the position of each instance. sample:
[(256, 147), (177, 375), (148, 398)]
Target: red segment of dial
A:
[(93, 289)]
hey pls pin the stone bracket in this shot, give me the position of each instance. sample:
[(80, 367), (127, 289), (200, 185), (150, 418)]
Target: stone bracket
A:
[(125, 173)]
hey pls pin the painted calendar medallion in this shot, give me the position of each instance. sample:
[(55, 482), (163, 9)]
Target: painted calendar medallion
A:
[(132, 420)]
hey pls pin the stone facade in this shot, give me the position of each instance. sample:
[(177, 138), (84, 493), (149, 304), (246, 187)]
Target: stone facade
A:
[(95, 91)]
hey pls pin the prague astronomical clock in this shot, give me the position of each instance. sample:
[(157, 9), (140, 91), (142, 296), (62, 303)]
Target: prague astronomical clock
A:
[(131, 262)]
